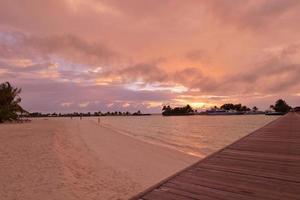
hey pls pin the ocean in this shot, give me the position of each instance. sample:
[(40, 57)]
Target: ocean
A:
[(196, 135)]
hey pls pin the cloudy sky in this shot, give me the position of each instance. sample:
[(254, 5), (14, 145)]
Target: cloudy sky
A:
[(89, 55)]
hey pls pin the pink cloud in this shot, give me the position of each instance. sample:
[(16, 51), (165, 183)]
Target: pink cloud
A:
[(139, 52)]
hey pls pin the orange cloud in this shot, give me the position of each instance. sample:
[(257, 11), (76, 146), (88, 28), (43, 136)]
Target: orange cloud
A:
[(143, 54)]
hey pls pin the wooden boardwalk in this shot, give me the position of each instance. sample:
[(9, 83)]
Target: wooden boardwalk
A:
[(263, 165)]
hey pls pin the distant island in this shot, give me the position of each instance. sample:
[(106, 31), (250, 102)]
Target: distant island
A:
[(87, 114), (228, 108), (280, 108), (186, 110)]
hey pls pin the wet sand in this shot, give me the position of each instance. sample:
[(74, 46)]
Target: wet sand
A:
[(78, 159)]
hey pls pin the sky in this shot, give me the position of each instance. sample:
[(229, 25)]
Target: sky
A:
[(108, 55)]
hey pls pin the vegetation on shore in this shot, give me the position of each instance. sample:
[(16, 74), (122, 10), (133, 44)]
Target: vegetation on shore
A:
[(9, 102), (281, 106), (235, 107), (186, 110), (87, 114)]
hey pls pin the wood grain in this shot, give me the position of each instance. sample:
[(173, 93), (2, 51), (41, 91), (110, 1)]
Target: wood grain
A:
[(263, 165)]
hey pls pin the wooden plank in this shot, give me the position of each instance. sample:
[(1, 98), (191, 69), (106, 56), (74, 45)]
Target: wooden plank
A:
[(260, 155), (282, 159), (263, 165), (268, 147), (248, 163), (270, 175), (194, 186), (241, 183)]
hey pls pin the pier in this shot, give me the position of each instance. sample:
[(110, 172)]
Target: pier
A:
[(264, 165)]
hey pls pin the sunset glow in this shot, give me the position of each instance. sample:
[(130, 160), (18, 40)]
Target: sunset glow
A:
[(91, 55)]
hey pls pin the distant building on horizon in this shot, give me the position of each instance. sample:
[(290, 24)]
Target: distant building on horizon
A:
[(297, 109)]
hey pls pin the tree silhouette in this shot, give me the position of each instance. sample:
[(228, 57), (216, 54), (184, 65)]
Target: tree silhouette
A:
[(254, 109), (9, 102), (186, 110), (281, 106), (236, 107)]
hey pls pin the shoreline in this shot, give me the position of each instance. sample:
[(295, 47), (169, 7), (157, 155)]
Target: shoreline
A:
[(77, 159), (151, 142)]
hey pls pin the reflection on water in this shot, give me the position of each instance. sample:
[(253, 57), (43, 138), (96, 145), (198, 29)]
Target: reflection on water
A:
[(197, 135)]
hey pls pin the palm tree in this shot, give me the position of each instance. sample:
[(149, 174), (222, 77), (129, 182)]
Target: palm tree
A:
[(188, 108), (254, 109), (9, 102), (281, 106)]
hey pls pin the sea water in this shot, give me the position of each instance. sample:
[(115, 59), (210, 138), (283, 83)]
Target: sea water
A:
[(198, 135)]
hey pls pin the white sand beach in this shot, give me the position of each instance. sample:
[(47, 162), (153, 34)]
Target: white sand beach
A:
[(78, 159)]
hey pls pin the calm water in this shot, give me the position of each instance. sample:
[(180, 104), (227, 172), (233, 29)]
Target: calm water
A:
[(197, 135)]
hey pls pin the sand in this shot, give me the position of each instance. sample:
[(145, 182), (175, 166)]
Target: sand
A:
[(78, 159)]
